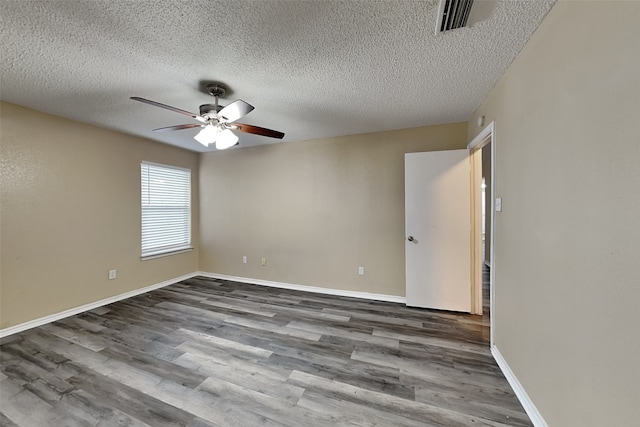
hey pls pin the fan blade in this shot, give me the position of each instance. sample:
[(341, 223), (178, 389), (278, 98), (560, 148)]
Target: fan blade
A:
[(178, 127), (258, 130), (167, 107), (235, 110)]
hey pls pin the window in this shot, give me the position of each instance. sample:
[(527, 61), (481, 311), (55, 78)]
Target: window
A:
[(166, 209)]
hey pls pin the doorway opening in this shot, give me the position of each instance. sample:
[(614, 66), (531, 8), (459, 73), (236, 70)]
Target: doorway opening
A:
[(482, 155), (486, 227)]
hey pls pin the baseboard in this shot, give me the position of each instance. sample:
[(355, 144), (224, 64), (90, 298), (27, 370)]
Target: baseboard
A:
[(523, 397), (305, 288), (81, 309)]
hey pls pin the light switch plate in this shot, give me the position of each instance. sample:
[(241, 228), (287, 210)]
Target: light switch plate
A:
[(498, 204)]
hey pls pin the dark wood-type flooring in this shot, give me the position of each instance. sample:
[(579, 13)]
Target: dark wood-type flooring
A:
[(207, 352)]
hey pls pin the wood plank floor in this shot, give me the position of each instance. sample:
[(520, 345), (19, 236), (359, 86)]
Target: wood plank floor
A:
[(207, 352)]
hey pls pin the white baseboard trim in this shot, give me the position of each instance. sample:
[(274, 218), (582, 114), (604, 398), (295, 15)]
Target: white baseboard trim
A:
[(305, 288), (523, 397), (81, 309), (86, 307)]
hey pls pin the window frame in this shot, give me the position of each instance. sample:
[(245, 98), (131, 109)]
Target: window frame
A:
[(166, 250)]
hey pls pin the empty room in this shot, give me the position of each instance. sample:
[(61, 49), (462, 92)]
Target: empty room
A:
[(321, 213)]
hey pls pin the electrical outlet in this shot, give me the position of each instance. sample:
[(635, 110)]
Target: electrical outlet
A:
[(264, 262), (244, 259), (112, 274), (361, 271)]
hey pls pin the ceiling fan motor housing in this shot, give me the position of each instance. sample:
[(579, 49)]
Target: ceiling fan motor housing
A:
[(210, 109)]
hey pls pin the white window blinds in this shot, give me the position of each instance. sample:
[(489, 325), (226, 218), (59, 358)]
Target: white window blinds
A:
[(166, 209)]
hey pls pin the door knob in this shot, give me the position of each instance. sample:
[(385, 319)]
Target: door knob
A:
[(410, 238)]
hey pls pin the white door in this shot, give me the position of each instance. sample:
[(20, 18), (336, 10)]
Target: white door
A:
[(438, 230)]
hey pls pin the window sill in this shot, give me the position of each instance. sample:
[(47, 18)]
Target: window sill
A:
[(164, 254)]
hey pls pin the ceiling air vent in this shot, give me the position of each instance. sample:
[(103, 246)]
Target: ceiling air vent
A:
[(453, 14)]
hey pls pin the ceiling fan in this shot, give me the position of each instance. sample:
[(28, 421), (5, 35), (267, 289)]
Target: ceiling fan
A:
[(216, 121)]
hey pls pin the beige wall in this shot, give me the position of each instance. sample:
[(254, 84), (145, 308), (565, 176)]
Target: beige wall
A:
[(316, 209), (567, 271), (70, 211)]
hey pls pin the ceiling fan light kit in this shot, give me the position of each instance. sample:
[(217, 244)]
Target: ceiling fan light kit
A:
[(222, 138), (226, 139), (217, 122), (207, 135)]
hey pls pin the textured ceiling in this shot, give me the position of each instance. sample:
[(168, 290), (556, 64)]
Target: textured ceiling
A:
[(312, 69)]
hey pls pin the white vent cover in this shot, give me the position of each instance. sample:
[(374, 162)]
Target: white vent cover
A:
[(453, 14)]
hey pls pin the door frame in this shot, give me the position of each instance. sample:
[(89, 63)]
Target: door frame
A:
[(486, 136)]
